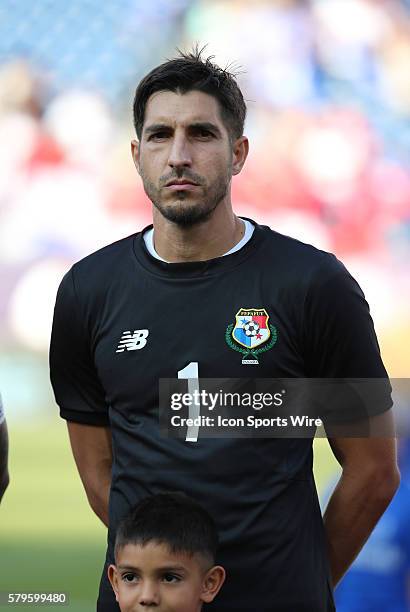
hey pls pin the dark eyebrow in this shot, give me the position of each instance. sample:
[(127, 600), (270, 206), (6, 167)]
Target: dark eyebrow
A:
[(204, 125), (170, 568)]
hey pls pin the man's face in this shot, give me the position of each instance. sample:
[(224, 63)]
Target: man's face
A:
[(151, 577), (183, 137)]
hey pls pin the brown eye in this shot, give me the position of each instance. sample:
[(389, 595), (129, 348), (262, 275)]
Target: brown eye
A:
[(158, 135), (171, 578), (129, 577)]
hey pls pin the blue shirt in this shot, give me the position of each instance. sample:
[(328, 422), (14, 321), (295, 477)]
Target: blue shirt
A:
[(377, 580)]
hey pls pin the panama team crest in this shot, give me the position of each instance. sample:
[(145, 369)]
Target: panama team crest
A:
[(251, 334)]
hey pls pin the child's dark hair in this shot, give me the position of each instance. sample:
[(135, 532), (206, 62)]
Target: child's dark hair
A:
[(190, 72), (172, 519)]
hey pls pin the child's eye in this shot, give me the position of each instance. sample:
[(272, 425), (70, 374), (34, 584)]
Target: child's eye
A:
[(129, 577), (170, 578)]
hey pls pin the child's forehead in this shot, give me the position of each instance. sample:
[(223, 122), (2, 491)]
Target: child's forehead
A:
[(155, 553)]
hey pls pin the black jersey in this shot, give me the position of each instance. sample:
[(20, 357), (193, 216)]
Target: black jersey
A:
[(124, 319)]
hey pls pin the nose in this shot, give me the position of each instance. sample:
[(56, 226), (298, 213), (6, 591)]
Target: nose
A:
[(179, 155), (149, 595)]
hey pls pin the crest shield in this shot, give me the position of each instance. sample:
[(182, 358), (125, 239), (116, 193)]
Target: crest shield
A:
[(251, 327)]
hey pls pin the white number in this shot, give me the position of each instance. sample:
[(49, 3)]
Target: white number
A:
[(190, 373)]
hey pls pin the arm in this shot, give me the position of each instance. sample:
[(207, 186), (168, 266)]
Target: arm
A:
[(369, 480), (4, 448), (92, 450), (80, 394)]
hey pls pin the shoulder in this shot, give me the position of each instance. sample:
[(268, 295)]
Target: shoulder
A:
[(97, 274), (106, 260), (300, 261)]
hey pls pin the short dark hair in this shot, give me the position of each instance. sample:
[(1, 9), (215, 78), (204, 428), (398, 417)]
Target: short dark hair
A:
[(173, 519), (190, 72)]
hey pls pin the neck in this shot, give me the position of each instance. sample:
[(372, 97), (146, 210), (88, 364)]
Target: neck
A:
[(207, 240)]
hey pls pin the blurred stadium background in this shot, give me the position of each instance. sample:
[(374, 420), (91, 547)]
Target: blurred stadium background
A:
[(327, 83)]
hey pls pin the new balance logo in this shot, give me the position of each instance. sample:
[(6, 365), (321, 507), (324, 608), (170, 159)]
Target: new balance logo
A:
[(133, 341)]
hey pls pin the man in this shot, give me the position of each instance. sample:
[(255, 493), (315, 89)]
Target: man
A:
[(163, 304), (4, 451)]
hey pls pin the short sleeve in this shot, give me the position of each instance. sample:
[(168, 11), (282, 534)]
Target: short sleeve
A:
[(339, 336), (77, 388)]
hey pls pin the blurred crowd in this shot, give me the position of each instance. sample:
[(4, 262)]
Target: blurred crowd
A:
[(327, 84)]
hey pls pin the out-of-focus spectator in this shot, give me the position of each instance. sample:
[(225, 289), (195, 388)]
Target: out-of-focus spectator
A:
[(20, 90), (4, 451)]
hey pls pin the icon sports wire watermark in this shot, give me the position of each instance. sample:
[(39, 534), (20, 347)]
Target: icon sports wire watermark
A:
[(282, 408)]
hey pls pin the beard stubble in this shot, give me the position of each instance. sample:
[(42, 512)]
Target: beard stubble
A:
[(187, 210)]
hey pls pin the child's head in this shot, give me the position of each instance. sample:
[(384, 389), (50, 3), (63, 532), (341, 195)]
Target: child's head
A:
[(165, 556)]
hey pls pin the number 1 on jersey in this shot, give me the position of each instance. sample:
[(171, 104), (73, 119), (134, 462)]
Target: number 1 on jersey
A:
[(191, 373)]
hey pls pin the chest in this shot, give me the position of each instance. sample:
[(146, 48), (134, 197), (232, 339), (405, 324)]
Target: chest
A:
[(227, 327)]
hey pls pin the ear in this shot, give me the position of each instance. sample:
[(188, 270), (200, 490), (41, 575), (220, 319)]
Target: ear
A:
[(213, 580), (135, 151), (240, 152), (113, 578)]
